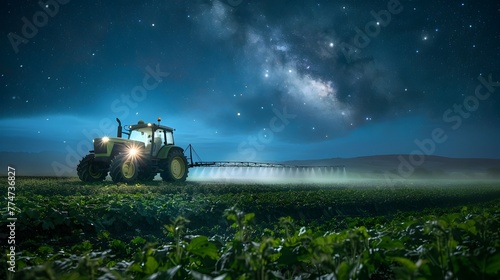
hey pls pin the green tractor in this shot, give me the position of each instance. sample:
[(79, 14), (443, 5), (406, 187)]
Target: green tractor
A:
[(148, 150)]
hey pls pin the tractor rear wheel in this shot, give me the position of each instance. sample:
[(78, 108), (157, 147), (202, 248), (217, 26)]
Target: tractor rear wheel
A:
[(89, 170), (175, 167), (124, 169)]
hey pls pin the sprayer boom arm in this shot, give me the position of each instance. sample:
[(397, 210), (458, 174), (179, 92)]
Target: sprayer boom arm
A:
[(190, 150)]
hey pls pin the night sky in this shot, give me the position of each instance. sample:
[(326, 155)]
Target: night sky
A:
[(255, 80)]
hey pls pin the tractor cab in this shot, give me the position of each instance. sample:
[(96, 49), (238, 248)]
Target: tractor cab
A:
[(152, 135)]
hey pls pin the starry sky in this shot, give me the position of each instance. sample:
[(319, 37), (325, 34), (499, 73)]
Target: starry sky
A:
[(255, 80)]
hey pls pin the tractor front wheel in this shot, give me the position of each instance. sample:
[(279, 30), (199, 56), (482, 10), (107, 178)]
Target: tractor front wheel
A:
[(89, 170), (175, 167), (124, 169)]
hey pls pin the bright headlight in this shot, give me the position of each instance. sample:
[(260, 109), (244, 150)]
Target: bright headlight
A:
[(105, 139), (133, 152)]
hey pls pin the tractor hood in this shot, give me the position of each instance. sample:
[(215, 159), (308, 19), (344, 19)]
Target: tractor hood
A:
[(109, 146)]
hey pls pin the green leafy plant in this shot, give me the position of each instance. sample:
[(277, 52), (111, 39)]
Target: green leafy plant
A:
[(69, 230)]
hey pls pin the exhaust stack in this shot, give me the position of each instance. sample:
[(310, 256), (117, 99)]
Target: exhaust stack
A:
[(119, 132)]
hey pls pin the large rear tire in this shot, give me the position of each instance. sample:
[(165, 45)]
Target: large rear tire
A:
[(124, 169), (89, 170), (175, 167)]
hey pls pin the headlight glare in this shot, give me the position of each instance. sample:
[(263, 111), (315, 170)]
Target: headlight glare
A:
[(133, 152)]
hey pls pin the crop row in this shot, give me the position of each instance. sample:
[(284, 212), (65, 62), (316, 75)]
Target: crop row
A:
[(127, 210), (69, 229), (463, 244)]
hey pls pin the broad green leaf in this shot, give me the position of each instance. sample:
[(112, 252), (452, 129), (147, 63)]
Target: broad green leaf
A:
[(493, 264), (343, 271), (135, 267), (151, 265), (200, 246), (406, 263), (165, 275), (249, 217), (46, 225), (138, 240), (32, 213)]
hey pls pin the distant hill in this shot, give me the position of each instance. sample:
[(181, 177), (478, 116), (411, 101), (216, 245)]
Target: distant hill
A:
[(62, 164)]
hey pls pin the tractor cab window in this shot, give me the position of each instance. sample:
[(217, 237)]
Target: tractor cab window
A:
[(158, 140), (143, 135), (159, 137), (170, 138)]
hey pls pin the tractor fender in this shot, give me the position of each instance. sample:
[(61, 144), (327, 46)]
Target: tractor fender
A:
[(165, 150)]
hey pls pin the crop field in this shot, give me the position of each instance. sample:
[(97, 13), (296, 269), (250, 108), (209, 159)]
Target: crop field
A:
[(66, 229)]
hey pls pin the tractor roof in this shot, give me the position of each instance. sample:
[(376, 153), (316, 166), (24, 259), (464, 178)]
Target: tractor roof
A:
[(140, 125)]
